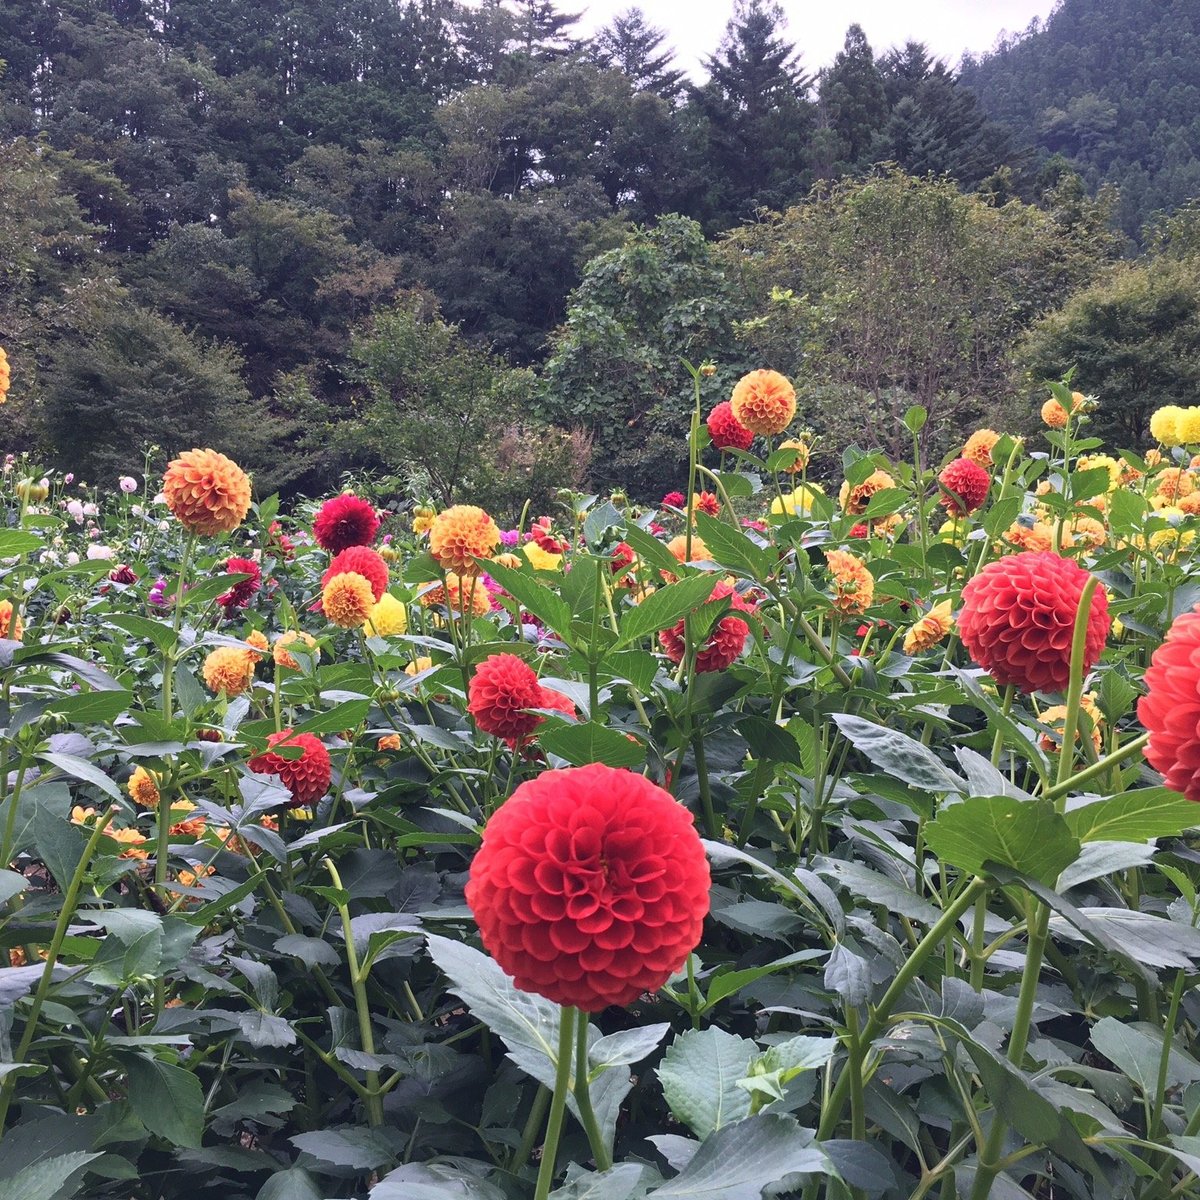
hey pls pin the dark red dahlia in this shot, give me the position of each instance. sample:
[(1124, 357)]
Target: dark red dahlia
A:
[(243, 591), (964, 485), (726, 431), (123, 574), (726, 640), (674, 500), (1018, 617), (502, 691), (365, 562), (1170, 710), (344, 521), (306, 777), (591, 886)]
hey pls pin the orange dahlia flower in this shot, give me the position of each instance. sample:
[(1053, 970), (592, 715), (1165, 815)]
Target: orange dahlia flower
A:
[(802, 454), (207, 492), (930, 629), (460, 535), (853, 584), (11, 626), (979, 446), (764, 402), (347, 599), (1027, 534), (854, 500), (1173, 484), (1056, 718), (284, 657), (142, 787), (228, 669), (458, 594)]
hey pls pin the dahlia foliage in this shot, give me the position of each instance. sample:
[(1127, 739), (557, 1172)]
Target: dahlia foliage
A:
[(825, 827)]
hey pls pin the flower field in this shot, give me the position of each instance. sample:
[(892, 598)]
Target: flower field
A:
[(786, 837)]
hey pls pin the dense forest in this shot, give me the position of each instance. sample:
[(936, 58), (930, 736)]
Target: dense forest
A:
[(363, 234)]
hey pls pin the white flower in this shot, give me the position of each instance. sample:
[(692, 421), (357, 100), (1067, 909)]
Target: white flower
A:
[(137, 510), (94, 552), (90, 510), (127, 484), (29, 584), (160, 498), (72, 559), (48, 557), (163, 526)]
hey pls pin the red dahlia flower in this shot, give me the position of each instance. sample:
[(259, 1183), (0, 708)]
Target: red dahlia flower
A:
[(964, 486), (674, 500), (306, 777), (726, 431), (725, 642), (243, 591), (364, 561), (1018, 617), (1170, 710), (860, 530), (345, 521), (591, 886), (501, 692)]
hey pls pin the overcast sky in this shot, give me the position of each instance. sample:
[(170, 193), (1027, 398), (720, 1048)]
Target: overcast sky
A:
[(818, 27)]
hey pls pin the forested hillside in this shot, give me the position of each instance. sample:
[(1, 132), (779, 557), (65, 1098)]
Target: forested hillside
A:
[(1112, 85)]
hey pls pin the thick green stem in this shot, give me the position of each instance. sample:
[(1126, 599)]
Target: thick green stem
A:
[(558, 1104), (583, 1096), (1090, 772)]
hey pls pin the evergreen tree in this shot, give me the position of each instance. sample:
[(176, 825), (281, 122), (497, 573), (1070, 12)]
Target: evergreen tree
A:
[(853, 98), (629, 43), (756, 117)]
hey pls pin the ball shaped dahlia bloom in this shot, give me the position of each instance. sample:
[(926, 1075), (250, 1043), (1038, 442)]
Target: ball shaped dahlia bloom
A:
[(388, 617), (1187, 426), (591, 886), (764, 402), (673, 500), (345, 521), (364, 561), (726, 431), (460, 535), (964, 485), (929, 629), (1164, 425), (228, 669), (142, 787), (501, 692), (284, 657), (1170, 710), (347, 601), (458, 595), (1054, 415), (207, 492), (242, 592), (1018, 617), (853, 584), (725, 641), (979, 446), (306, 777)]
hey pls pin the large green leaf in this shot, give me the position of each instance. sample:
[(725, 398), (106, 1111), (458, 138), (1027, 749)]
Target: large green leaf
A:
[(899, 755), (536, 597), (589, 742), (665, 607), (168, 1100), (1134, 817), (699, 1076), (1136, 1050), (56, 1178), (733, 549), (1029, 836)]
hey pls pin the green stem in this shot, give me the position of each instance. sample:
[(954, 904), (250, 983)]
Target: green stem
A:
[(583, 1096), (878, 1019), (711, 825), (65, 916), (558, 1105), (537, 1114), (373, 1100), (1097, 768)]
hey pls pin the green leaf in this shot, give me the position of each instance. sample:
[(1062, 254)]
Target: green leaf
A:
[(740, 1160), (1136, 1051), (293, 1184), (80, 768), (588, 742), (1026, 835), (88, 708), (535, 597), (734, 549), (665, 607), (883, 503), (601, 519), (1134, 817), (1001, 515), (650, 550), (347, 715), (59, 844), (168, 1100), (699, 1075), (47, 1179), (357, 1149), (769, 742), (915, 418), (899, 755), (728, 982), (11, 884), (157, 632)]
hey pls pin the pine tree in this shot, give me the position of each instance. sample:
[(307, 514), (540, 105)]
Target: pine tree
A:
[(629, 43), (853, 98), (756, 116)]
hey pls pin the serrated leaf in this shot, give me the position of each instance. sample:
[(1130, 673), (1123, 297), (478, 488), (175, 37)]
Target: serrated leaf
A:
[(733, 549), (899, 755), (1134, 817), (535, 597), (665, 607), (357, 1149), (47, 1179), (588, 742), (699, 1075), (166, 1099), (1136, 1051), (1028, 836)]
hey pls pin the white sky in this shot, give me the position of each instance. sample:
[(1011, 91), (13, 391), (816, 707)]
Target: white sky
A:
[(948, 27)]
